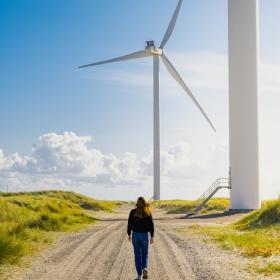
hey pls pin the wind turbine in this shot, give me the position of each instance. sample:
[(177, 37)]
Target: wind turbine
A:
[(156, 53)]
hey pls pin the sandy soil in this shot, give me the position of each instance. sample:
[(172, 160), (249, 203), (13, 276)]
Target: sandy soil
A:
[(103, 252)]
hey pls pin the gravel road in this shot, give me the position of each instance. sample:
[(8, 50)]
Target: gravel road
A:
[(103, 252)]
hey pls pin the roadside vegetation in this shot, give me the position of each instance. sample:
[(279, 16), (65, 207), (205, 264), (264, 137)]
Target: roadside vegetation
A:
[(257, 235), (184, 206), (29, 220)]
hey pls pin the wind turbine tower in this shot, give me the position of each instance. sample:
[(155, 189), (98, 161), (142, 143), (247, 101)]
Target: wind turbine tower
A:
[(243, 103)]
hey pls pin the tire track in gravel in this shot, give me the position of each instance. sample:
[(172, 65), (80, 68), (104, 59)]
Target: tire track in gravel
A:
[(97, 247), (120, 267), (106, 255), (165, 260), (153, 268), (201, 265), (179, 260), (73, 242), (127, 270), (66, 266)]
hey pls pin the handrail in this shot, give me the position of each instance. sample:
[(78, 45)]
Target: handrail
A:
[(219, 183)]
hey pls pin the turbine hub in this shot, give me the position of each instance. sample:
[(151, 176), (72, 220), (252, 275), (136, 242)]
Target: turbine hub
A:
[(151, 48)]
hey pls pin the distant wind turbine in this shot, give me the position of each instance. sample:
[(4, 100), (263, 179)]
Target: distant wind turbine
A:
[(152, 50)]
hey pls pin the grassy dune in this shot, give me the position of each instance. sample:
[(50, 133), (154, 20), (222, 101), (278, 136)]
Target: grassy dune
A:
[(257, 235), (29, 220), (183, 206)]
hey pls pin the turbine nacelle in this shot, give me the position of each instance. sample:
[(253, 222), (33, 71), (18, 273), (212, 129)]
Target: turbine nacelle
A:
[(152, 49)]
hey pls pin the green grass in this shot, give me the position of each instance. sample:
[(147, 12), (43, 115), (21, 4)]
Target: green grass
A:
[(183, 206), (28, 220), (255, 235), (268, 269)]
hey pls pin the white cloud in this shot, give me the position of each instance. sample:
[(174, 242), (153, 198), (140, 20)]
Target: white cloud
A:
[(65, 161), (61, 160), (14, 161), (177, 162), (68, 156)]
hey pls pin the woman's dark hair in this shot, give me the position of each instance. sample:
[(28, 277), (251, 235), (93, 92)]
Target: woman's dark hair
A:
[(142, 208)]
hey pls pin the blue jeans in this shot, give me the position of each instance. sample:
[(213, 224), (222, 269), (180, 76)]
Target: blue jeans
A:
[(140, 243)]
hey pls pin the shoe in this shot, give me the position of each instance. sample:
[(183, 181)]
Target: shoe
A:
[(139, 277), (145, 274)]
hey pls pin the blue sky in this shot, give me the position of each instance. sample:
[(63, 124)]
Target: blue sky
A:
[(44, 42), (43, 91)]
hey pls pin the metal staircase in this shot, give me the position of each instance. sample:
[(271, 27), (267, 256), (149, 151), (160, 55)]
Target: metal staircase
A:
[(220, 183)]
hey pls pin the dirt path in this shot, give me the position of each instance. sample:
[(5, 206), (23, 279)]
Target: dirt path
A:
[(103, 252)]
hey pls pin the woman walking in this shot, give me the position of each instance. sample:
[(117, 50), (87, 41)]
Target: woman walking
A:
[(140, 223)]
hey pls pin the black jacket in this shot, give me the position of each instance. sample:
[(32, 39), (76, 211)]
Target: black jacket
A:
[(141, 225)]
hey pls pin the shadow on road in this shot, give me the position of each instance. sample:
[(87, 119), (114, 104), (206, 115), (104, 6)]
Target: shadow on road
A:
[(125, 219), (216, 215)]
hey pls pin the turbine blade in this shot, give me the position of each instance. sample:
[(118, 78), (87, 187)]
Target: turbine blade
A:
[(134, 55), (171, 25), (171, 69)]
